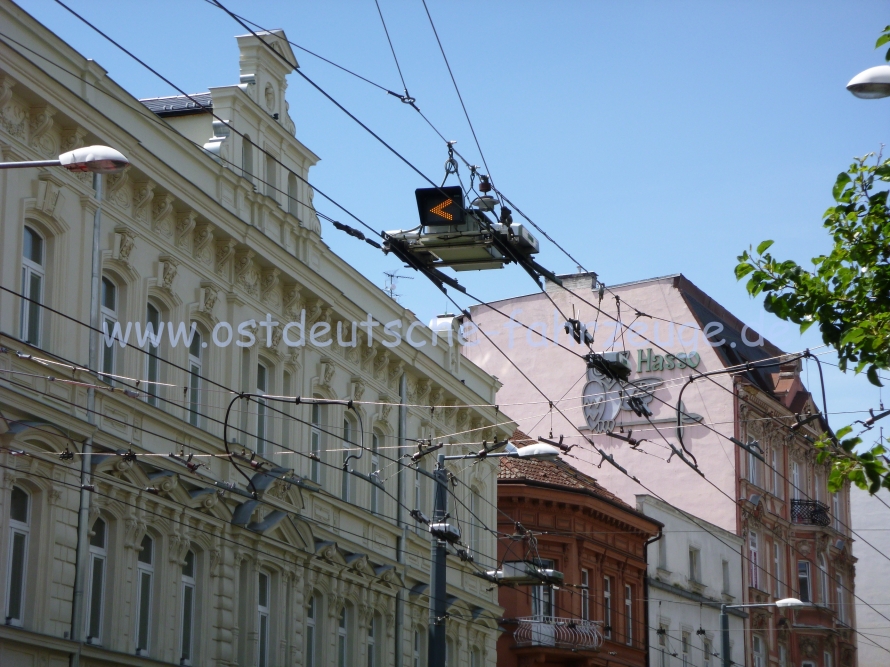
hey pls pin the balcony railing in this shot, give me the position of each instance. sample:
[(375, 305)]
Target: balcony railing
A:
[(570, 633), (810, 512)]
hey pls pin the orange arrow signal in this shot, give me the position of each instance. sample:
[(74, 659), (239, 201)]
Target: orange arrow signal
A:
[(439, 209)]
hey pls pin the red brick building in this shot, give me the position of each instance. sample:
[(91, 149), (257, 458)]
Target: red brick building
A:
[(568, 522)]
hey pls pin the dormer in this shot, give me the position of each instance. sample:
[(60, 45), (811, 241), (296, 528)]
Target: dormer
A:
[(263, 73)]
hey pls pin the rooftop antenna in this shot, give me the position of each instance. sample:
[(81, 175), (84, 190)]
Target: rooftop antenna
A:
[(392, 281)]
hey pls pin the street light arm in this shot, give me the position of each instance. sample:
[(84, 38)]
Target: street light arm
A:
[(33, 163)]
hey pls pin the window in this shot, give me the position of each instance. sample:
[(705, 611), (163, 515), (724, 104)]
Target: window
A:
[(752, 470), (417, 494), (707, 650), (725, 568), (262, 620), (777, 475), (820, 486), (247, 158), (292, 195), (826, 659), (684, 647), (315, 445), (344, 478), (753, 561), (475, 660), (836, 510), (474, 521), (343, 639), (628, 615), (823, 579), (839, 594), (108, 312), (144, 573), (795, 480), (96, 589), (287, 390), (187, 623), (309, 657), (19, 532), (694, 564), (777, 570), (783, 656), (542, 596), (662, 644), (262, 420), (607, 607), (33, 277), (372, 642), (803, 580), (195, 358), (758, 651), (153, 332), (416, 654), (271, 177), (662, 553), (585, 595), (375, 466)]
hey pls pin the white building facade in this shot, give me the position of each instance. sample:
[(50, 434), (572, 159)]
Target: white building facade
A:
[(692, 570), (258, 550)]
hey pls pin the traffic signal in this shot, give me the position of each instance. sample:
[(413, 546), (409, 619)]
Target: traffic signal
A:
[(440, 207)]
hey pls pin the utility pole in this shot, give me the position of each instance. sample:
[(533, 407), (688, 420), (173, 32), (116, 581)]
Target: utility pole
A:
[(438, 572)]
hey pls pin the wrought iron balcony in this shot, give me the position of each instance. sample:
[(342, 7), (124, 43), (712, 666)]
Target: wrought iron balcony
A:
[(810, 512), (570, 633)]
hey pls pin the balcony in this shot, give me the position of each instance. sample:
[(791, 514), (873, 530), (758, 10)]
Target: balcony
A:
[(570, 633), (809, 512)]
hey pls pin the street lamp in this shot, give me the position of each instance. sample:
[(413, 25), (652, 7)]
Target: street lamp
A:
[(872, 83), (95, 159), (444, 533), (724, 620)]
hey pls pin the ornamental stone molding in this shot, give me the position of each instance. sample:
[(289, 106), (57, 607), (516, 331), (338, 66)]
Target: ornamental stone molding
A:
[(185, 223), (40, 122), (161, 214), (225, 252), (143, 194)]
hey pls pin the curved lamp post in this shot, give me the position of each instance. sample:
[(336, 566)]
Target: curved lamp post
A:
[(95, 159), (872, 83), (724, 619)]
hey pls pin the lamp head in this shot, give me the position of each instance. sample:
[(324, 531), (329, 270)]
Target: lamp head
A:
[(95, 159), (871, 84), (790, 602), (538, 452)]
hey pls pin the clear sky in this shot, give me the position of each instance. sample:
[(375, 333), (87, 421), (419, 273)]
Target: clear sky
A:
[(648, 138)]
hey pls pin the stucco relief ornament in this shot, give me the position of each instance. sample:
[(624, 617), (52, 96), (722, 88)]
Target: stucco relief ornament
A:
[(292, 301), (277, 332), (39, 126), (185, 223), (12, 118), (162, 207), (116, 192), (270, 97), (246, 275), (202, 242), (328, 373), (127, 243), (225, 250), (143, 194), (808, 647), (270, 294), (72, 138)]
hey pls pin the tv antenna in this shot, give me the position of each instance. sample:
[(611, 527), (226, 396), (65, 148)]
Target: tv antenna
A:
[(392, 281)]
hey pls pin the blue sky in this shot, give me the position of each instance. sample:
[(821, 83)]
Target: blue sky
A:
[(649, 138)]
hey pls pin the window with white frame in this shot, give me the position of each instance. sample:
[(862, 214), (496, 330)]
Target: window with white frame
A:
[(628, 614), (839, 595), (758, 651), (803, 580), (247, 158), (475, 660), (827, 659), (373, 631), (196, 358), (262, 626), (585, 595), (262, 419), (416, 652), (345, 486), (315, 444), (823, 579), (343, 638), (542, 596), (187, 616), (836, 510), (154, 330), (777, 570), (726, 582), (287, 389), (33, 279), (96, 589), (108, 311), (375, 467), (821, 488), (293, 195), (474, 521), (19, 536), (776, 471), (309, 654), (783, 656), (662, 553), (796, 488), (685, 641), (707, 651), (144, 576), (752, 470), (753, 561), (607, 607), (662, 644), (271, 177), (694, 564)]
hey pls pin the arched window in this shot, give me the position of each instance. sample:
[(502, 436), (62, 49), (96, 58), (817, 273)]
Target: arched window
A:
[(343, 638), (315, 444), (262, 418), (154, 331), (144, 576), (475, 658), (823, 579), (187, 619), (309, 653), (263, 605), (293, 194), (345, 486), (373, 635), (109, 302), (196, 359), (271, 177), (418, 649), (19, 534), (96, 588), (449, 652), (839, 593), (33, 279), (247, 158), (375, 467)]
